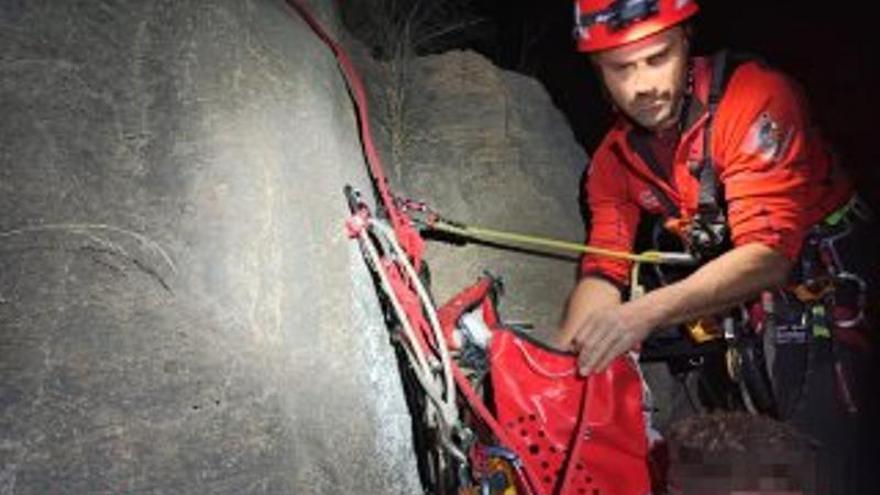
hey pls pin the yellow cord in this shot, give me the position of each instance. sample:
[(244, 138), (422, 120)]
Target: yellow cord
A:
[(654, 257)]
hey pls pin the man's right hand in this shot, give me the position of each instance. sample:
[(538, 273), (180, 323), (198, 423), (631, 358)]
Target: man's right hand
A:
[(590, 295)]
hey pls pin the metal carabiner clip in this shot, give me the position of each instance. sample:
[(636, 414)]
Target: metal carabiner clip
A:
[(861, 302)]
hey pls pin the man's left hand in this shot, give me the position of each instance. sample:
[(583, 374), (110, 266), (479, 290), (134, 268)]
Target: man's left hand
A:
[(606, 334)]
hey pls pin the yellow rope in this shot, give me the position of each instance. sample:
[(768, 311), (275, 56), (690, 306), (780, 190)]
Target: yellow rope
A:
[(654, 257)]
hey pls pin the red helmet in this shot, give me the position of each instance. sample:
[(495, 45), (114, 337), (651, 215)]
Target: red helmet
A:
[(603, 24)]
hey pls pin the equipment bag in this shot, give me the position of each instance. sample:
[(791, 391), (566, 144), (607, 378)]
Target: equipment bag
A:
[(570, 434)]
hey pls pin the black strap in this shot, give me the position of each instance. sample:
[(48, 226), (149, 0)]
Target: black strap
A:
[(709, 197), (693, 107), (709, 232)]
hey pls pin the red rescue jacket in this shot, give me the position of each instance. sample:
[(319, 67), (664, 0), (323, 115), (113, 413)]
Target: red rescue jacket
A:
[(777, 174)]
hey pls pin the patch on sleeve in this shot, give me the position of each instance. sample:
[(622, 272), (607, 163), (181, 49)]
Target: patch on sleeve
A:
[(767, 139)]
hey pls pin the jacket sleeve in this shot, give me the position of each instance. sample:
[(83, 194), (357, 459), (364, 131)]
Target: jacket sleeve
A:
[(764, 158), (613, 218)]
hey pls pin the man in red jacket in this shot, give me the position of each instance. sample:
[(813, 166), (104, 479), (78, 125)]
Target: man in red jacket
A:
[(777, 177), (725, 151)]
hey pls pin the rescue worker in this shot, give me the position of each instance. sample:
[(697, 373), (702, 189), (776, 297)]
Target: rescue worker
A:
[(724, 150)]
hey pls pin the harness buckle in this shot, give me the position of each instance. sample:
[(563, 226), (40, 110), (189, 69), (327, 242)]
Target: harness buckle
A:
[(707, 238)]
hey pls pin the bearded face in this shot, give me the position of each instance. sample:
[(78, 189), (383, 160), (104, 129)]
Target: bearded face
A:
[(647, 79)]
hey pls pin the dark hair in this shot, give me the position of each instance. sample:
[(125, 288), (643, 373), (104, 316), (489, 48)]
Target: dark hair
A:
[(740, 451)]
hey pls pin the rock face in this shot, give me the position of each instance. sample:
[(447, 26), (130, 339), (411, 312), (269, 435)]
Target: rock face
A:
[(180, 310), (487, 147)]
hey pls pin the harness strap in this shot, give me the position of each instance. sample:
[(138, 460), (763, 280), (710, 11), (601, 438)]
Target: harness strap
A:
[(710, 232), (709, 209)]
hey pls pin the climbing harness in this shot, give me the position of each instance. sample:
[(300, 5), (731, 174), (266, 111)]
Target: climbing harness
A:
[(824, 301), (824, 305), (709, 234)]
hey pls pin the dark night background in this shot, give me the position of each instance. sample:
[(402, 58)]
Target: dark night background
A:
[(825, 47)]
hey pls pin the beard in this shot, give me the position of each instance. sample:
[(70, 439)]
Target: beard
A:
[(654, 112)]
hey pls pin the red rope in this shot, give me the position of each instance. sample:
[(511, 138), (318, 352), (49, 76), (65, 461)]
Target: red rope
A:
[(407, 235)]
